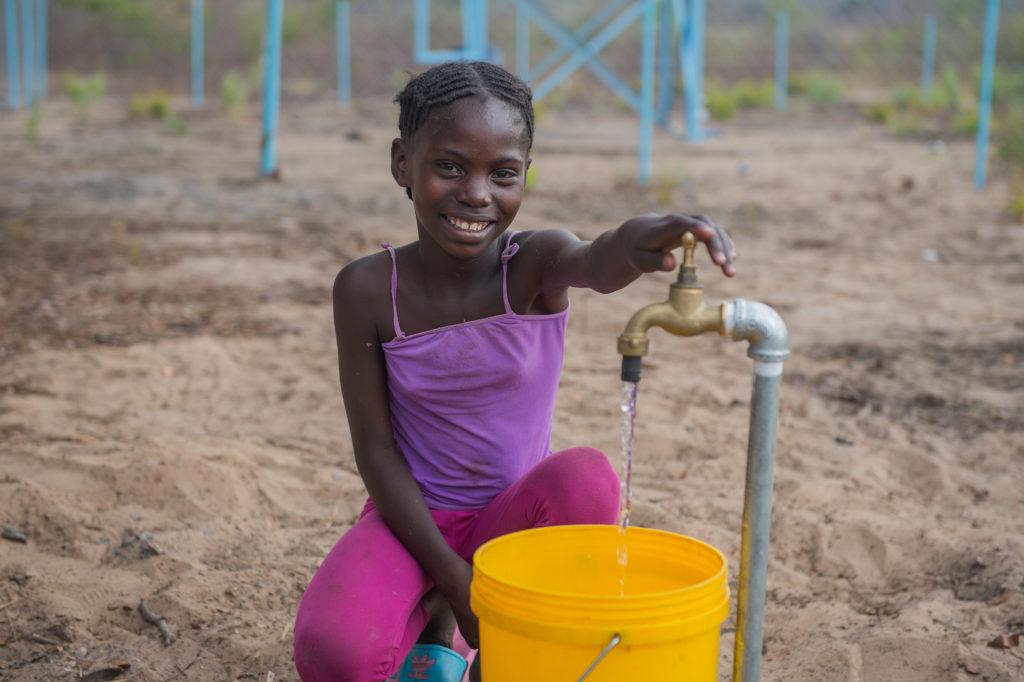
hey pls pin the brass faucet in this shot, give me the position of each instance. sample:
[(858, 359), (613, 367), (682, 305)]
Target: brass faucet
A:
[(683, 314)]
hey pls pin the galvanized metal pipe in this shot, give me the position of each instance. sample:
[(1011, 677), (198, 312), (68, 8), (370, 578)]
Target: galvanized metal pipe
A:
[(762, 327)]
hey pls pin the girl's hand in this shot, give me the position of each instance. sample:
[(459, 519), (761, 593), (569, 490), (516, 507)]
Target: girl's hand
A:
[(649, 240), (456, 591)]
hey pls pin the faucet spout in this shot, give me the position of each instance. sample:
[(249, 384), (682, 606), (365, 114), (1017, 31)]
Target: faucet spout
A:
[(684, 313)]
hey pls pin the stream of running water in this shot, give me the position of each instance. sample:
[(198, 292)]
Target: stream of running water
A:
[(628, 408)]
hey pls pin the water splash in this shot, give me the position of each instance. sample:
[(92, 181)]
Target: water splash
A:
[(628, 408)]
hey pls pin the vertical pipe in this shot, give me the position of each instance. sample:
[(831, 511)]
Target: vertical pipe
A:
[(42, 63), (343, 30), (271, 87), (11, 34), (693, 83), (27, 52), (421, 31), (757, 515), (650, 20), (470, 38), (522, 43), (781, 59), (928, 54), (481, 29), (985, 98), (198, 83), (666, 85)]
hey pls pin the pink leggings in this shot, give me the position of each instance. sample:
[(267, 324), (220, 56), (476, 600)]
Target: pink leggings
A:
[(361, 613)]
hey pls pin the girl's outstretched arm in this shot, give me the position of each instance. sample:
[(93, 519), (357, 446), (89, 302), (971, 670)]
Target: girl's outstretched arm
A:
[(619, 256), (387, 478)]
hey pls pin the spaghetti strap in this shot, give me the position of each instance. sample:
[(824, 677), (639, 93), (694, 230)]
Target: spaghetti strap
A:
[(394, 290), (511, 248)]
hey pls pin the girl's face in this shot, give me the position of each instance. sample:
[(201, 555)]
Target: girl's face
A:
[(466, 166)]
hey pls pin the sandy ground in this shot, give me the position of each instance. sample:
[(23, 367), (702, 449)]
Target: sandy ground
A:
[(171, 427)]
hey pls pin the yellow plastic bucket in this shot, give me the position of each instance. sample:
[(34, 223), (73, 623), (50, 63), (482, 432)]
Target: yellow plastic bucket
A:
[(549, 600)]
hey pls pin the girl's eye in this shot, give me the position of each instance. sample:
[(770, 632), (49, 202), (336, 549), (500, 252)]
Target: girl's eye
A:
[(448, 167), (505, 174)]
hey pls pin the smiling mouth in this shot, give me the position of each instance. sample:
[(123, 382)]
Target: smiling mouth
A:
[(466, 225)]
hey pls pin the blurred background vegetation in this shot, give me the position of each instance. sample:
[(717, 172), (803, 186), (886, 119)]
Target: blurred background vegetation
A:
[(861, 56)]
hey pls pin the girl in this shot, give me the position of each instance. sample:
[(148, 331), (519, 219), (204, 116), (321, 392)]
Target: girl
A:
[(449, 377)]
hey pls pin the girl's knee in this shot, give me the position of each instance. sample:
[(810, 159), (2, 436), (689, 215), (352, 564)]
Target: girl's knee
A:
[(323, 654), (588, 484)]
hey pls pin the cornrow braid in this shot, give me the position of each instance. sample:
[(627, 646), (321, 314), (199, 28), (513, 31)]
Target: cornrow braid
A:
[(451, 81)]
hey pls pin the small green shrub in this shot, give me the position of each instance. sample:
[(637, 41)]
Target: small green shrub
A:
[(880, 112), (721, 103), (751, 95), (1010, 140), (818, 87), (85, 91), (965, 123), (153, 104), (234, 92), (32, 124), (907, 124)]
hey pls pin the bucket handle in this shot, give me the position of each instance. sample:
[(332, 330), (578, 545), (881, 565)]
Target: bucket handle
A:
[(600, 657)]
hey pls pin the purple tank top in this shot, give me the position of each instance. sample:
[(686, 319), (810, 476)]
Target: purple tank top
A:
[(471, 403)]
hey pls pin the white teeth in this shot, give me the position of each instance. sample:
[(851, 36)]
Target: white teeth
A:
[(464, 225)]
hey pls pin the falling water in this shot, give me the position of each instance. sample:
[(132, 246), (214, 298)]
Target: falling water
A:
[(628, 407)]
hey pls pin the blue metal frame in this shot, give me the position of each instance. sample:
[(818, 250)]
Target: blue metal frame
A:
[(580, 35), (42, 63), (650, 21), (522, 42), (271, 87), (343, 26), (928, 54), (11, 37), (475, 44), (781, 59), (693, 69), (666, 72), (582, 54), (198, 82), (28, 52), (985, 98)]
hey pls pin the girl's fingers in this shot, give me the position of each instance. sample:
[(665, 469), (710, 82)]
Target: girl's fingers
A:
[(652, 261)]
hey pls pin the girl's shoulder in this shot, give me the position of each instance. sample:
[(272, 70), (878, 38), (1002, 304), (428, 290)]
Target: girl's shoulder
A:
[(364, 275)]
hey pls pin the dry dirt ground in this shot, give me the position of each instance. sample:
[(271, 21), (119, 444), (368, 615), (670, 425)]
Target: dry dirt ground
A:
[(171, 427)]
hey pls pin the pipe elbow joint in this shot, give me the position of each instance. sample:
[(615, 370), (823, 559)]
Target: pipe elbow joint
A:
[(761, 326)]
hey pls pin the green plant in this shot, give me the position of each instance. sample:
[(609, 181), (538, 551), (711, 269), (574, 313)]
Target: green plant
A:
[(234, 92), (32, 124), (751, 95), (1010, 140), (531, 177), (174, 124), (965, 123), (153, 104), (907, 124), (880, 112), (84, 91), (721, 103), (949, 86), (818, 87)]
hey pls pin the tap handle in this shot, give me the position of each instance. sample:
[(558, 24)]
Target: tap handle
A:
[(688, 270), (689, 246)]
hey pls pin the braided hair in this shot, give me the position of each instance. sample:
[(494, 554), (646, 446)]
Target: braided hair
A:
[(451, 81)]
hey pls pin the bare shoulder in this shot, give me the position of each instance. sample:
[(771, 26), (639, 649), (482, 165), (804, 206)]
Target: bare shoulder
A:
[(362, 293)]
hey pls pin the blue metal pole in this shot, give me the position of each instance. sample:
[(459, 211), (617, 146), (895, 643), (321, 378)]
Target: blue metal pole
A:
[(468, 8), (650, 8), (666, 84), (522, 43), (693, 80), (341, 17), (928, 54), (985, 99), (483, 39), (41, 49), (421, 31), (271, 86), (198, 82), (27, 52), (781, 59), (11, 34)]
